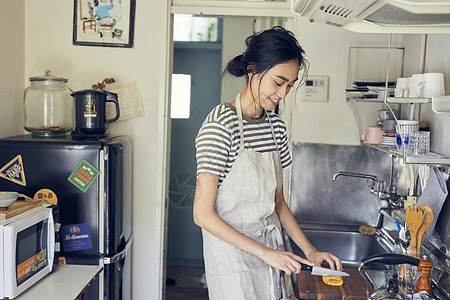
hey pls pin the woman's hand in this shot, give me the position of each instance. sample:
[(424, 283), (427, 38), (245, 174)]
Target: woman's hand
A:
[(319, 257), (284, 261)]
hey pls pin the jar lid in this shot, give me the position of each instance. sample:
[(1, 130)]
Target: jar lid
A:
[(48, 77)]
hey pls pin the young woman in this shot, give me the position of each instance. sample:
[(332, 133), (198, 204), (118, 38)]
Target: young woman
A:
[(239, 203)]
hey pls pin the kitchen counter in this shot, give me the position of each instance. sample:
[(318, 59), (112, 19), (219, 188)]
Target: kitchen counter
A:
[(66, 282)]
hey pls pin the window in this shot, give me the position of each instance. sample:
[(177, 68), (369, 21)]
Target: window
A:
[(180, 107), (188, 28)]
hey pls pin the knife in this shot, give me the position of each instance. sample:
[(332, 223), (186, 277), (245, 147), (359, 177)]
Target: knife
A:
[(322, 271)]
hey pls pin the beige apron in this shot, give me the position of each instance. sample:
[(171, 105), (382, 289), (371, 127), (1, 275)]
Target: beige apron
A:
[(246, 201)]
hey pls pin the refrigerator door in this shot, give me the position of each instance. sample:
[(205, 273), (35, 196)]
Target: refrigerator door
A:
[(117, 220), (117, 270)]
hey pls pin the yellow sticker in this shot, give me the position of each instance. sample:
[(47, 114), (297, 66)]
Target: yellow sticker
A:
[(46, 196), (13, 171)]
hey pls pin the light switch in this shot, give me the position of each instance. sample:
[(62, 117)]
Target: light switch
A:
[(316, 89)]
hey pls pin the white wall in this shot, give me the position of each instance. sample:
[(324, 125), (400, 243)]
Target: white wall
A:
[(48, 45), (235, 31), (327, 50), (436, 60), (12, 64)]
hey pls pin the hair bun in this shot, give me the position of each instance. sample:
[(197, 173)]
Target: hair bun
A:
[(237, 66)]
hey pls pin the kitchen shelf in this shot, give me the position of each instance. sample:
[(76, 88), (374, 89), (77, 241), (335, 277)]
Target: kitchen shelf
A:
[(431, 159), (390, 100)]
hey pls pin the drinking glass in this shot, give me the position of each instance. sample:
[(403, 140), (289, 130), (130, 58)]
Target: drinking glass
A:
[(419, 143)]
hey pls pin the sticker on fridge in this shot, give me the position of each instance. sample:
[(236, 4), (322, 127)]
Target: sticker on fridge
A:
[(46, 196), (84, 175), (76, 237), (13, 171)]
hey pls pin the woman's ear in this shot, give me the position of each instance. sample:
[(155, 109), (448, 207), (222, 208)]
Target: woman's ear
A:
[(251, 70)]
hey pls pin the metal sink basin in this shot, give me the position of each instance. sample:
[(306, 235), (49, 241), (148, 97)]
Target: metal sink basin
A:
[(350, 247)]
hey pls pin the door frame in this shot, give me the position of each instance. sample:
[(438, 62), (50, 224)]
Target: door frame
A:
[(240, 9)]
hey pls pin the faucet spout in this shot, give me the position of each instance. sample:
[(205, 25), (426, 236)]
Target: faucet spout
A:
[(358, 175)]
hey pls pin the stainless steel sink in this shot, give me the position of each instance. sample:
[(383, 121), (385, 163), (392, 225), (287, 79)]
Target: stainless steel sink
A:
[(350, 247)]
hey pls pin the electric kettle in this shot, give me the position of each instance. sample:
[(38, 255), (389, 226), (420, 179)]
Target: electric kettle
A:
[(90, 112)]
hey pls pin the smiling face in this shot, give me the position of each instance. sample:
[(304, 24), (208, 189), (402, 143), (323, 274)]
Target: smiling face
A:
[(269, 87)]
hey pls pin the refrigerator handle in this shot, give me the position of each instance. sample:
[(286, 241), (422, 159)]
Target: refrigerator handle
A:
[(112, 259)]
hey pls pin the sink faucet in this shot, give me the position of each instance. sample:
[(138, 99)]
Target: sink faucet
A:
[(350, 174), (377, 186)]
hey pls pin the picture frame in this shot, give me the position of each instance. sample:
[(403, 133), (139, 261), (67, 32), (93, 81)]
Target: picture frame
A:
[(104, 23)]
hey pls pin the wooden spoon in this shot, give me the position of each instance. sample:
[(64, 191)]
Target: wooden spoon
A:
[(427, 220), (414, 219)]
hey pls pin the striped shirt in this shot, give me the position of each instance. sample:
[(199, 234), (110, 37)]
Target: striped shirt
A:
[(218, 139)]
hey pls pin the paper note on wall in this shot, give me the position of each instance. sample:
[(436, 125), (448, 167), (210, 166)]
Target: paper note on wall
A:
[(130, 101)]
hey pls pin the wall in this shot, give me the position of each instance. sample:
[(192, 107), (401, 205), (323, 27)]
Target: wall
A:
[(235, 31), (12, 65), (436, 60), (48, 45), (327, 50)]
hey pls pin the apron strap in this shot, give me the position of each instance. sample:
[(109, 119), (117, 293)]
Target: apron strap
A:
[(273, 131), (241, 125)]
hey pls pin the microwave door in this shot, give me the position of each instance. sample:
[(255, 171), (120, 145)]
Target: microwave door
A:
[(25, 260)]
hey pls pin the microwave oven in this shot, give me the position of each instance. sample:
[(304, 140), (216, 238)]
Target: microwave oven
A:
[(27, 249)]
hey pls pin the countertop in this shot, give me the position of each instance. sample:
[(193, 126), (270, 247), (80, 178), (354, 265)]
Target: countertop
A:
[(66, 282)]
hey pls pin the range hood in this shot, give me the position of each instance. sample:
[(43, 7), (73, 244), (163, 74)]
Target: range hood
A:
[(378, 16)]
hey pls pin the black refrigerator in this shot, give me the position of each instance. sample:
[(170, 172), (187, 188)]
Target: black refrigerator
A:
[(90, 180)]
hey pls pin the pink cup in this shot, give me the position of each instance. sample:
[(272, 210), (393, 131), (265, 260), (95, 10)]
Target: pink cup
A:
[(372, 135)]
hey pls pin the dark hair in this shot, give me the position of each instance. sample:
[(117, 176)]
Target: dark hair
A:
[(265, 50)]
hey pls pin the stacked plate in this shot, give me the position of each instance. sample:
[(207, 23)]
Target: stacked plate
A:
[(389, 141)]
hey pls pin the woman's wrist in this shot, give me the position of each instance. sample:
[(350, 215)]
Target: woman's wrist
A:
[(310, 252)]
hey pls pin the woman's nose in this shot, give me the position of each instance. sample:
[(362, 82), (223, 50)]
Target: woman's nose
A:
[(283, 91)]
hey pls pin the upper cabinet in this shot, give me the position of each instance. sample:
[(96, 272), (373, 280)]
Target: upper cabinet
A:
[(379, 16)]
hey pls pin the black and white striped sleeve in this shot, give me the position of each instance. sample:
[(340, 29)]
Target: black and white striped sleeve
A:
[(213, 144)]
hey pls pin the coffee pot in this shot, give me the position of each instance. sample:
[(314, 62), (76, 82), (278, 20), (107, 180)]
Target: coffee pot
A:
[(90, 112)]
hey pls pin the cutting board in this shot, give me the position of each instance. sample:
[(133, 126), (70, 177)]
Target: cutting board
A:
[(19, 207), (312, 287)]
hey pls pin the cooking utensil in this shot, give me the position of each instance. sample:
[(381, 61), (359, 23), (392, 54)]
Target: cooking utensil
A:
[(391, 292), (312, 287), (427, 220), (322, 271), (414, 219)]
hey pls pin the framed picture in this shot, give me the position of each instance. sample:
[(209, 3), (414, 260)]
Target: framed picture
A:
[(104, 23)]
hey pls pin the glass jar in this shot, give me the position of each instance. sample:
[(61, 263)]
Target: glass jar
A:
[(48, 106)]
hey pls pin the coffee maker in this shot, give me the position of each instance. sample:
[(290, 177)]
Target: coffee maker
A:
[(90, 113)]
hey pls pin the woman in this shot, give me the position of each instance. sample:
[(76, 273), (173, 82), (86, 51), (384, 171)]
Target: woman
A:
[(239, 203)]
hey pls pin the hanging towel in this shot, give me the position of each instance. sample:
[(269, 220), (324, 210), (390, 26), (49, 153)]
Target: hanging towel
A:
[(434, 195)]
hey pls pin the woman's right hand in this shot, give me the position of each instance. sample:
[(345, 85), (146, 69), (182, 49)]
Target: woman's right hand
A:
[(284, 261)]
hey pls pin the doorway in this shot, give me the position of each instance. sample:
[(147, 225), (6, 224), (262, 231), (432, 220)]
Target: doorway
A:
[(200, 62)]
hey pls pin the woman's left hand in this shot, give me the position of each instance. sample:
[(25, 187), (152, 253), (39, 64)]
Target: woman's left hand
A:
[(319, 257)]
